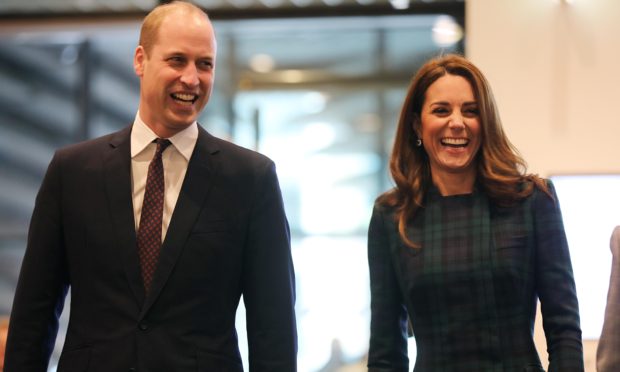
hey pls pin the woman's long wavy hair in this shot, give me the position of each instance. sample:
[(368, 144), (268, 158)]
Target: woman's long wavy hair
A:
[(500, 168)]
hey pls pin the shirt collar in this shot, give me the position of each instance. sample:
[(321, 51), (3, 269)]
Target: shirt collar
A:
[(142, 136)]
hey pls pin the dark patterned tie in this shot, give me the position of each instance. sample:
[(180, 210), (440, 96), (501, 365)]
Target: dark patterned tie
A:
[(149, 230)]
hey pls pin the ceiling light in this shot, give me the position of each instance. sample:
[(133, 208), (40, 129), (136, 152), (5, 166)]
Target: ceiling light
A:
[(272, 3), (293, 76), (446, 31), (400, 4), (242, 3), (332, 2), (301, 3), (262, 63)]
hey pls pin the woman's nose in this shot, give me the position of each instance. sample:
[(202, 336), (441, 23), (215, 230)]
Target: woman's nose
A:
[(456, 121)]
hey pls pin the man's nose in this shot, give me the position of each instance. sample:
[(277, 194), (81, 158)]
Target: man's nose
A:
[(190, 75)]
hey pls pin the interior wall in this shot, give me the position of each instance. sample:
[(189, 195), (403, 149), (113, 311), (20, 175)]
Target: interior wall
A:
[(553, 67)]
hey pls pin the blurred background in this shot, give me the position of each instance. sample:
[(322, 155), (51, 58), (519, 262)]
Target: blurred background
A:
[(317, 86)]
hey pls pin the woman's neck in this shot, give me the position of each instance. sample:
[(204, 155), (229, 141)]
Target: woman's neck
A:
[(454, 183)]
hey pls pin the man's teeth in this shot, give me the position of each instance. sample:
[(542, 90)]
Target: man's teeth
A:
[(184, 97), (455, 141)]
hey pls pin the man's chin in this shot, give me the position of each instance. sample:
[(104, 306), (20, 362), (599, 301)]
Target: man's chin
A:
[(182, 121)]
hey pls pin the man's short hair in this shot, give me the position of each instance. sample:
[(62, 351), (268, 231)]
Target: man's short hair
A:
[(153, 20)]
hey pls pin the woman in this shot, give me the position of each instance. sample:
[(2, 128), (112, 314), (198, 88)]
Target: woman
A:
[(466, 242), (607, 356)]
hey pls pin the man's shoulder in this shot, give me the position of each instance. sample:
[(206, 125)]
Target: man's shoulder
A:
[(234, 153), (95, 145)]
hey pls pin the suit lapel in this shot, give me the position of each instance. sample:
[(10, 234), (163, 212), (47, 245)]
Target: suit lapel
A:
[(117, 164), (201, 170)]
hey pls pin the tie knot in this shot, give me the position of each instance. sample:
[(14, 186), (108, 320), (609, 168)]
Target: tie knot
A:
[(162, 144)]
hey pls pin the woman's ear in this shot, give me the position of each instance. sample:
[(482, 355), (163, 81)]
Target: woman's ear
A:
[(417, 126)]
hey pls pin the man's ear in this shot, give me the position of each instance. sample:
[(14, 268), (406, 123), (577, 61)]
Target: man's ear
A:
[(139, 59)]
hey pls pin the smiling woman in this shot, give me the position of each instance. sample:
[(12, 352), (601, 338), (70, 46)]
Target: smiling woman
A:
[(466, 242), (449, 129)]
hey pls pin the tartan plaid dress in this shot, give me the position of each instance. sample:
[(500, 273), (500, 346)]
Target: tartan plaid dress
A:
[(470, 292)]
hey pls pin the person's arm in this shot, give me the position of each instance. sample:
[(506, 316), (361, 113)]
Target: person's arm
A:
[(608, 351), (555, 285), (42, 284), (388, 324), (269, 281)]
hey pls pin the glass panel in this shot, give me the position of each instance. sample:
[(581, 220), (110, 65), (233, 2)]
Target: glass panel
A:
[(588, 239), (329, 131)]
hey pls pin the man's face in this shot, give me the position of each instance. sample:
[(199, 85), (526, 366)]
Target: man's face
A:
[(176, 76)]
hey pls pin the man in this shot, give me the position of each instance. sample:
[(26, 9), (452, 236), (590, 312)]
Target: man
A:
[(138, 304), (608, 351)]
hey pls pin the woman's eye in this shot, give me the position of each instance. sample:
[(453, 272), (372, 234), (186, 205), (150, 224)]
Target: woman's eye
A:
[(472, 112)]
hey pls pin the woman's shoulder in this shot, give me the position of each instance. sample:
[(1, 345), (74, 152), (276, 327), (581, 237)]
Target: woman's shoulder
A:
[(543, 194), (386, 201), (543, 187), (524, 193), (538, 186)]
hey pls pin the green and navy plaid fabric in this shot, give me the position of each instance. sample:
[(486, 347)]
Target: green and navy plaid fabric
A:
[(471, 290)]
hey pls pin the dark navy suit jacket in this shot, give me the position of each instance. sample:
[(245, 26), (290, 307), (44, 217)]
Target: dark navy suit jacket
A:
[(228, 236)]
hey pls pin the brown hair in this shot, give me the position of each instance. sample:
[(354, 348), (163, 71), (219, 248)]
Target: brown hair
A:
[(153, 20), (500, 168)]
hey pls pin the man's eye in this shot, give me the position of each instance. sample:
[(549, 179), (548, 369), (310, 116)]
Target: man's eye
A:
[(206, 64)]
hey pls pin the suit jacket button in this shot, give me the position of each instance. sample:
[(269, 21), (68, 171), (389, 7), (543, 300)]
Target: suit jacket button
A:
[(143, 326)]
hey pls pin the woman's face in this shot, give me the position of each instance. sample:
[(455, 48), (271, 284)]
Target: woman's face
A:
[(450, 127)]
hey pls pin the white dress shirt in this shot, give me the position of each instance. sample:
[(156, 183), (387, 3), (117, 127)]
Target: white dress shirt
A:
[(175, 159)]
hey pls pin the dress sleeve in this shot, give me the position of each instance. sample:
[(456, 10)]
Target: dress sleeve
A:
[(388, 325), (555, 285)]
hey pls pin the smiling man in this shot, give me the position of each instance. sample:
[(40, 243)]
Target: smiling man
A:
[(158, 230)]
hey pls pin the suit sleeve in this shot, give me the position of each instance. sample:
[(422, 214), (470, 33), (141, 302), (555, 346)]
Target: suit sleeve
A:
[(556, 286), (42, 284), (388, 324), (269, 281), (607, 354)]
